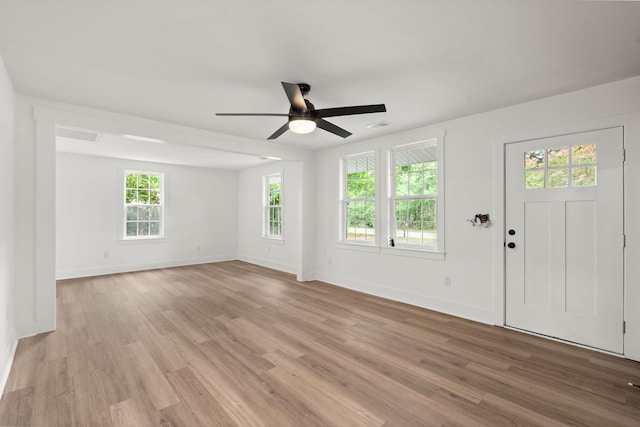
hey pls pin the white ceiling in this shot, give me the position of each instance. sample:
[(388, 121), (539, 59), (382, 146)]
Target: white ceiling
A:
[(181, 62)]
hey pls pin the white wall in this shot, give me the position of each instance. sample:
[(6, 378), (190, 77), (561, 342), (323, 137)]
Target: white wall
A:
[(200, 217), (252, 247), (7, 223), (472, 185)]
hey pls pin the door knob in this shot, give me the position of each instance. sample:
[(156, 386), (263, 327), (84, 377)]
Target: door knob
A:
[(511, 245), (512, 232)]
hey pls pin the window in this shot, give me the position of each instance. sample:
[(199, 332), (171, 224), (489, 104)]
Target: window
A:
[(273, 206), (143, 205), (561, 167), (359, 198), (414, 201)]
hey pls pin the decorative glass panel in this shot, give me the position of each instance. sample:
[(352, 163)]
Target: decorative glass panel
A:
[(584, 176), (534, 179), (534, 159), (558, 157), (583, 154), (558, 178)]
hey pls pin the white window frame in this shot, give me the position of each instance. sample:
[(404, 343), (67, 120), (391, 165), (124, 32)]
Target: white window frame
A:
[(266, 207), (126, 205), (345, 200), (438, 247)]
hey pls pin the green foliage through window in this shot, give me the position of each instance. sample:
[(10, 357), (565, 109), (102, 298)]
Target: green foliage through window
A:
[(273, 206), (415, 195), (561, 167), (143, 205), (359, 200)]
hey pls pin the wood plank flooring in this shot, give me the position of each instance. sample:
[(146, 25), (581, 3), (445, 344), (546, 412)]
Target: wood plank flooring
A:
[(231, 343)]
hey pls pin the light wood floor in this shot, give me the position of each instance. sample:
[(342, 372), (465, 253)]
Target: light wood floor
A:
[(236, 344)]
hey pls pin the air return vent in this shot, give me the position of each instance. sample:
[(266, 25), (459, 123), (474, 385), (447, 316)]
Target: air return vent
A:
[(378, 125), (83, 135)]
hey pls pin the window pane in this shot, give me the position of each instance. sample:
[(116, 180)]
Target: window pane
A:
[(371, 187), (131, 196), (143, 196), (132, 180), (154, 213), (558, 178), (132, 229), (154, 197), (558, 157), (154, 182), (429, 210), (143, 228), (402, 183), (415, 183), (584, 177), (582, 154), (430, 182), (132, 213), (534, 179), (143, 181), (143, 213), (401, 210), (414, 212), (154, 228), (533, 160)]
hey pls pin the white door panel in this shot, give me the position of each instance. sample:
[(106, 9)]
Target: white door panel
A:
[(564, 205)]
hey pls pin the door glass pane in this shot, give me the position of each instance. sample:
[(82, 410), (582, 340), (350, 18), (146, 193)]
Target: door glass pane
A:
[(583, 154), (534, 159), (534, 179), (558, 178), (558, 157), (584, 177)]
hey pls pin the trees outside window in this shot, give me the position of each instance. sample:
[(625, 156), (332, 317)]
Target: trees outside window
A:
[(273, 218), (143, 205), (414, 195), (359, 198)]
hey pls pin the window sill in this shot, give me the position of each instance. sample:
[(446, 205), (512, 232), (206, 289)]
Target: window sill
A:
[(142, 240), (396, 251), (273, 240), (364, 247), (414, 253)]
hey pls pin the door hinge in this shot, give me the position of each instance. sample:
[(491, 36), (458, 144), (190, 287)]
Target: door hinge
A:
[(624, 327), (624, 240), (624, 154)]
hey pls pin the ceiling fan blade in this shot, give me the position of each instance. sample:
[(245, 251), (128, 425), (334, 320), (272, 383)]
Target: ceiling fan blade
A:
[(295, 96), (252, 114), (349, 111), (330, 127), (280, 131)]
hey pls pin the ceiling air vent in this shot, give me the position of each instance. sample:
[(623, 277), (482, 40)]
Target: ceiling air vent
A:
[(378, 125), (82, 135)]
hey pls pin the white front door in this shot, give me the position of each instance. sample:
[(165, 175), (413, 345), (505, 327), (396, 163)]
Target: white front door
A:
[(564, 237)]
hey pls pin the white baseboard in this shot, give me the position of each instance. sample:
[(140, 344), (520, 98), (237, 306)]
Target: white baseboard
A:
[(125, 268), (267, 263), (477, 314), (6, 360)]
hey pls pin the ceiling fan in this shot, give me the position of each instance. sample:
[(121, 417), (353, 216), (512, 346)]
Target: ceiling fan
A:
[(304, 118)]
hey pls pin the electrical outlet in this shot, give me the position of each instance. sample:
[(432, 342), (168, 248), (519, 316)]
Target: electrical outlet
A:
[(106, 254), (198, 248), (329, 260), (447, 281)]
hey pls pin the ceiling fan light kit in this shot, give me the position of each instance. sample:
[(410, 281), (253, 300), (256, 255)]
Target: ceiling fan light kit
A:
[(302, 125), (304, 118)]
